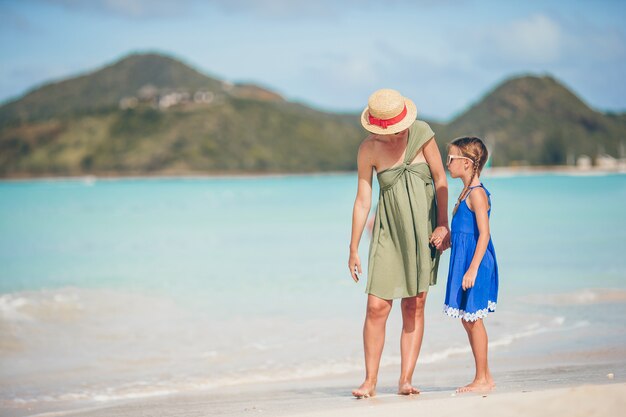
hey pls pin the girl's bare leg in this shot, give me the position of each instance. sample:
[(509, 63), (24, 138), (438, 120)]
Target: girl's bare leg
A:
[(477, 335), (373, 342), (411, 340)]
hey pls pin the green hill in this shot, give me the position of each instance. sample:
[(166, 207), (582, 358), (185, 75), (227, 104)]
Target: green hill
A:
[(114, 121), (537, 121), (104, 88), (151, 114)]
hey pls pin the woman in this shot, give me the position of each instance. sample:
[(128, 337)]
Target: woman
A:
[(409, 232)]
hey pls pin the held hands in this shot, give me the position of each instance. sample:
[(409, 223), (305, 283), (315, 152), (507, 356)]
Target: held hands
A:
[(354, 265), (468, 279), (440, 238)]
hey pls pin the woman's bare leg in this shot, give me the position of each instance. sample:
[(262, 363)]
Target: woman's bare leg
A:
[(479, 342), (411, 340), (373, 342)]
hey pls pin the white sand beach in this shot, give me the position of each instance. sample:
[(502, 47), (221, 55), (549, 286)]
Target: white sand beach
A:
[(586, 400), (552, 389), (601, 400)]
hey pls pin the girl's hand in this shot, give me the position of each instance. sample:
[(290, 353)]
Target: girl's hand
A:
[(469, 279), (440, 238), (446, 243), (354, 265)]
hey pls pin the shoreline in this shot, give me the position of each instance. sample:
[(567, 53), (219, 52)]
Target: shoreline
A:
[(490, 171), (587, 399), (327, 396), (168, 176)]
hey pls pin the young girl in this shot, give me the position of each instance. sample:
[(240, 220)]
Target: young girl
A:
[(472, 289)]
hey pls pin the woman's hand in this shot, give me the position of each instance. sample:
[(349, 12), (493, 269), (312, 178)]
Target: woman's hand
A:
[(468, 279), (354, 265), (440, 238)]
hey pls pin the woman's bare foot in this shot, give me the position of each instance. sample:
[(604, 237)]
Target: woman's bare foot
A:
[(480, 385), (366, 390), (407, 389)]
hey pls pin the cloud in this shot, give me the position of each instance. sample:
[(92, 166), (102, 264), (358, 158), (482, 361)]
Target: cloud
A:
[(295, 9), (129, 8), (12, 21), (580, 50), (343, 82), (302, 7), (337, 81), (594, 60), (600, 46), (351, 70), (537, 39)]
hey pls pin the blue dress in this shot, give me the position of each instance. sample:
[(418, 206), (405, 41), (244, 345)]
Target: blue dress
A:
[(478, 301)]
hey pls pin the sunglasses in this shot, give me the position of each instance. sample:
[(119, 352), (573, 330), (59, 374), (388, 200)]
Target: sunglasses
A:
[(453, 157)]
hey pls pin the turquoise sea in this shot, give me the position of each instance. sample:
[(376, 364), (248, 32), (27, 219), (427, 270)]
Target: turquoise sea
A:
[(128, 288)]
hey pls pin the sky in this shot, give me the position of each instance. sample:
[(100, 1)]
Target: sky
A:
[(331, 54)]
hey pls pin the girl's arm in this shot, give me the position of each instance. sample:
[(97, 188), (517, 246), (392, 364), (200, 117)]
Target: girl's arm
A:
[(433, 159), (362, 205), (479, 204)]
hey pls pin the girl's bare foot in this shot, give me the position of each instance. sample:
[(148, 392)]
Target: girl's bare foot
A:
[(407, 389), (480, 385), (366, 390)]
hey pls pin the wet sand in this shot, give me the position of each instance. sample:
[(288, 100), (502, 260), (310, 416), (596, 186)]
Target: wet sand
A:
[(594, 389)]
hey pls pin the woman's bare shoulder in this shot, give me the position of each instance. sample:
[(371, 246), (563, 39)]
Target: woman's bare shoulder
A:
[(367, 151), (368, 144)]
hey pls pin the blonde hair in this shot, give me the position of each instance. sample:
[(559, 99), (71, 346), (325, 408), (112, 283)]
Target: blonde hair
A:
[(473, 148)]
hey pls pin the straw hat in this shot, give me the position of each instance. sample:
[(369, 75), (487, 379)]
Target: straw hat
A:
[(387, 112)]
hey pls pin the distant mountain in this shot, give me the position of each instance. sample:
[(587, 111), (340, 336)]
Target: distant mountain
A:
[(104, 88), (141, 76), (534, 120), (151, 114)]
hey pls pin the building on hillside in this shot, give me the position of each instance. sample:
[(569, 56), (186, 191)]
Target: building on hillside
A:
[(583, 162)]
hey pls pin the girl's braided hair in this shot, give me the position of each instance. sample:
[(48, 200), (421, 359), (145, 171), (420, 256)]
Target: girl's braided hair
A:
[(473, 148)]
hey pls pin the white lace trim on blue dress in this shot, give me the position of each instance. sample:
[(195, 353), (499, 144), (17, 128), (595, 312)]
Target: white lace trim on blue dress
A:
[(467, 316)]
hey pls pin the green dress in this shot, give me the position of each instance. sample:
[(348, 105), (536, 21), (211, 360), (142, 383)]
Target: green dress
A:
[(401, 261)]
